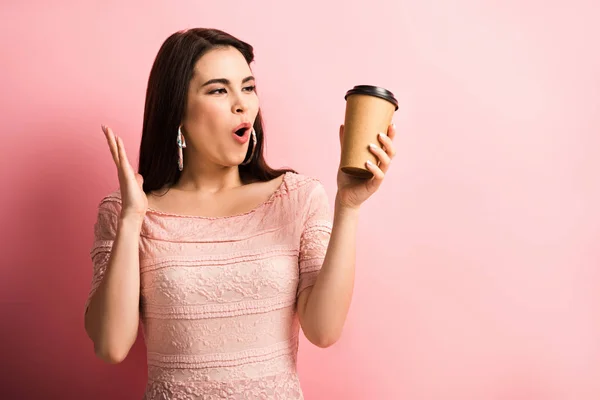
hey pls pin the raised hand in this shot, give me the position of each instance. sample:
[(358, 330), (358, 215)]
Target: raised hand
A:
[(135, 201)]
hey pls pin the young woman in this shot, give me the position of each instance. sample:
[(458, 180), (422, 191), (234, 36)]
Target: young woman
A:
[(221, 257)]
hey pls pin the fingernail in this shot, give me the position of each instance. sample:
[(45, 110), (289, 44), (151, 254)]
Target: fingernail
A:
[(373, 146), (382, 134), (369, 162), (103, 128), (393, 125)]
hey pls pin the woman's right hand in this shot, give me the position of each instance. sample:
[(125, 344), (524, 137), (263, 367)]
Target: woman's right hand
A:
[(135, 201)]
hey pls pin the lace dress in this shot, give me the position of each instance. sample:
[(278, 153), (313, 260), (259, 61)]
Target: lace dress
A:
[(218, 295)]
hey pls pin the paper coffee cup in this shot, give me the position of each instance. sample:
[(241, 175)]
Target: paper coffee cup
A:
[(369, 110)]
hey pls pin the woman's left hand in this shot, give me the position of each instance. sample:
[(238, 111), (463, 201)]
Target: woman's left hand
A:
[(352, 192)]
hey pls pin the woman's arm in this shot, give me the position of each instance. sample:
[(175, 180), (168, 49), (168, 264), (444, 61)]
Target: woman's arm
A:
[(323, 308), (112, 317)]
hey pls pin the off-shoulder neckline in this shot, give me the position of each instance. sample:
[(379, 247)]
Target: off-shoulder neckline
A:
[(269, 200)]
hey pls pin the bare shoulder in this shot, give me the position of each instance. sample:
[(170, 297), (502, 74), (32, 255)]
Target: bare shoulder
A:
[(275, 182), (264, 189)]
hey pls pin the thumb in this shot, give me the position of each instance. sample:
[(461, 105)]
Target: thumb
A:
[(139, 179)]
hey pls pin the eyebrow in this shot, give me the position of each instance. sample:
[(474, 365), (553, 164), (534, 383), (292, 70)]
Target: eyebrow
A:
[(226, 81)]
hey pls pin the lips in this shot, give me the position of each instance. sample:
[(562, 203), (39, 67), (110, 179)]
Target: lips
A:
[(241, 128), (242, 133)]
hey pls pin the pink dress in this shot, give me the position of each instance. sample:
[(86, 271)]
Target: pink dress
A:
[(218, 295)]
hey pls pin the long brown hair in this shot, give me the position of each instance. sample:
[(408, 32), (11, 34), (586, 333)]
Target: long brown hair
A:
[(166, 96)]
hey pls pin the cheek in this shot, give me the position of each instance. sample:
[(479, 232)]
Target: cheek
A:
[(254, 105), (205, 113)]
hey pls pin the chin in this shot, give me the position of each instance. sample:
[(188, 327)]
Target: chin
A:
[(233, 163), (240, 160)]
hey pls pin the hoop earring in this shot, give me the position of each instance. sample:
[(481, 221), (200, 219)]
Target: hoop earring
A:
[(254, 141), (181, 146)]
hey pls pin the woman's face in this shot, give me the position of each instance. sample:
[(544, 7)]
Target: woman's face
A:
[(221, 99)]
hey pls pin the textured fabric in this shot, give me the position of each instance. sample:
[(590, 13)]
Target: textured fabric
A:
[(218, 295)]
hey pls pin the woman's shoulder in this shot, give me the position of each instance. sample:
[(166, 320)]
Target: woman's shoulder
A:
[(303, 188), (294, 181), (308, 196)]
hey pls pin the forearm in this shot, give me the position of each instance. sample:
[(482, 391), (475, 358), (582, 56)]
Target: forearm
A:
[(329, 299), (112, 318)]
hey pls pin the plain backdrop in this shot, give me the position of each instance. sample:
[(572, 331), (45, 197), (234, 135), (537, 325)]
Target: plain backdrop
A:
[(478, 265)]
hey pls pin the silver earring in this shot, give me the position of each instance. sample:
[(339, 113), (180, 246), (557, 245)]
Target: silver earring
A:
[(254, 142), (181, 146)]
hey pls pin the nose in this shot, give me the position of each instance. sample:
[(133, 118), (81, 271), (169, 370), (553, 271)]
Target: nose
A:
[(239, 105)]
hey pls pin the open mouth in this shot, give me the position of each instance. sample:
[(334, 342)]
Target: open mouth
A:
[(240, 132)]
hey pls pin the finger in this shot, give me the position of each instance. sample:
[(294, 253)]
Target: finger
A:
[(378, 174), (392, 131), (125, 166), (384, 158), (388, 145), (112, 144)]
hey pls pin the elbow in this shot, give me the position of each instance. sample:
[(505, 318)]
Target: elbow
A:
[(111, 352), (323, 340), (325, 343), (320, 334), (107, 347), (111, 355)]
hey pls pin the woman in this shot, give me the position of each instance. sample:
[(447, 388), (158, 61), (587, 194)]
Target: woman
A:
[(221, 257)]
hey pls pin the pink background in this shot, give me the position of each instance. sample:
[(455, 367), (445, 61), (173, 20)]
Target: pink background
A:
[(478, 265)]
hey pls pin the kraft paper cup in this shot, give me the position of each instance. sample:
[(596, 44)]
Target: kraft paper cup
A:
[(369, 110)]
